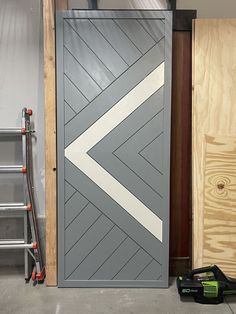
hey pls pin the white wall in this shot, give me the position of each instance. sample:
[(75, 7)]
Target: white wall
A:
[(121, 4), (21, 85), (206, 8), (210, 8), (136, 4)]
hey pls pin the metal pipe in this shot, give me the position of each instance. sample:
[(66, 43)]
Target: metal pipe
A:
[(32, 214)]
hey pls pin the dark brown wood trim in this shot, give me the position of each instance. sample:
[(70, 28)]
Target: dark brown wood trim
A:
[(182, 19), (180, 200)]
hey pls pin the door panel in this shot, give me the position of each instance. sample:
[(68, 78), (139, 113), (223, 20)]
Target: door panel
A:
[(113, 104)]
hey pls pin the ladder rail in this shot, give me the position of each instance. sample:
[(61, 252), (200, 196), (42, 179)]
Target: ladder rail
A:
[(28, 269)]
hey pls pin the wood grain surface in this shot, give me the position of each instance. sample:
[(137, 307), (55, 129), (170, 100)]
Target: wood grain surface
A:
[(219, 245), (214, 116), (50, 142), (49, 8)]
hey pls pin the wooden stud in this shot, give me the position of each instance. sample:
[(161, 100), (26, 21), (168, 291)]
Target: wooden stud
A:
[(50, 142), (50, 137), (214, 115)]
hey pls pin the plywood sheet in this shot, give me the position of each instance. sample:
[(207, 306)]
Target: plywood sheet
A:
[(214, 114), (219, 245)]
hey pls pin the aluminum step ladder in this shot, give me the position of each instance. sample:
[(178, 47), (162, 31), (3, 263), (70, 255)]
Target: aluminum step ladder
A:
[(34, 266)]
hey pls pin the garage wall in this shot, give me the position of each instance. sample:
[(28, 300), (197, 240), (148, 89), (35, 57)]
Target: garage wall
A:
[(21, 84), (206, 9), (210, 8), (121, 4)]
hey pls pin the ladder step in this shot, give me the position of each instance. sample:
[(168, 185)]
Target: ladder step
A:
[(11, 131), (15, 244), (12, 169), (13, 206), (12, 241)]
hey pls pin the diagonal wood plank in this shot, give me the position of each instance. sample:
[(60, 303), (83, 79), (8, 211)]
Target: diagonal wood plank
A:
[(101, 46), (117, 39), (112, 210), (118, 89), (87, 58)]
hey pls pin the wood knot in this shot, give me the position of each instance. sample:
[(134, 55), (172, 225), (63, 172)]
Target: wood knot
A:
[(220, 186)]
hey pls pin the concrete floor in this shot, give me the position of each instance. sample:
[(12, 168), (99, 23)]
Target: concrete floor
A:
[(20, 298)]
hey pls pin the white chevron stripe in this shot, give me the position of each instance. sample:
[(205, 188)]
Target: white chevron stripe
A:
[(76, 152)]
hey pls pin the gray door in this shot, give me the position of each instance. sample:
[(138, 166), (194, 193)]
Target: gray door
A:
[(113, 82)]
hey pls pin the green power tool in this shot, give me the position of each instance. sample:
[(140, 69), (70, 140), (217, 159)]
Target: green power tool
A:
[(207, 285)]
